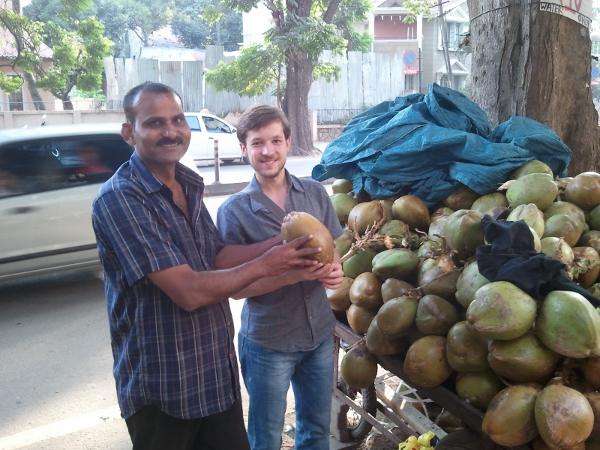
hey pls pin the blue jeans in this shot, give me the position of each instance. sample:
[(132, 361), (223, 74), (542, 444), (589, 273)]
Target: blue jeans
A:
[(267, 375)]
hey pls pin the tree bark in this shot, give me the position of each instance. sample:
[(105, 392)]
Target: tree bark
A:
[(537, 64), (38, 102), (67, 103), (299, 77)]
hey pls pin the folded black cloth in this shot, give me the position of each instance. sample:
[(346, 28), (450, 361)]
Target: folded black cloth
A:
[(510, 256)]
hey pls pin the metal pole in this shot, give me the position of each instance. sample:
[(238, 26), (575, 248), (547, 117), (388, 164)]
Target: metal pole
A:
[(444, 29), (217, 162)]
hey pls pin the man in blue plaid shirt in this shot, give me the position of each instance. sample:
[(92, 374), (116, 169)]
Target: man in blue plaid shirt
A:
[(171, 326)]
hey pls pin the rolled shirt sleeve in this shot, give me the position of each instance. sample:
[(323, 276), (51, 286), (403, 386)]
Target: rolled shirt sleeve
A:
[(135, 235)]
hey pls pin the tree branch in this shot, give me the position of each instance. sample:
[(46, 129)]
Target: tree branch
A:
[(332, 8)]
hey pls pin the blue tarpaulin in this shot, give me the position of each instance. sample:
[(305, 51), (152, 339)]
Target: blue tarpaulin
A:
[(427, 145)]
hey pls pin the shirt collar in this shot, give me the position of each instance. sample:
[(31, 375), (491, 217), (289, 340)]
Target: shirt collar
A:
[(256, 193), (152, 184)]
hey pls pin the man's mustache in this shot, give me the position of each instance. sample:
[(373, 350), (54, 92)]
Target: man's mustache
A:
[(166, 141)]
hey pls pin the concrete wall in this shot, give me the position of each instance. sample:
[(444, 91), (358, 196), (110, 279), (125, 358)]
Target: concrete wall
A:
[(18, 119)]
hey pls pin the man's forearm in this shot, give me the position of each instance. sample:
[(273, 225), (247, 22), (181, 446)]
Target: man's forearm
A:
[(265, 285), (234, 255)]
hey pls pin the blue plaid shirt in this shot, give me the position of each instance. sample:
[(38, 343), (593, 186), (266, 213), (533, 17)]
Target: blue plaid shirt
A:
[(182, 362)]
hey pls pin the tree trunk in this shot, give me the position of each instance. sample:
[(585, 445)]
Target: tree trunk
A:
[(299, 77), (537, 64), (38, 102), (67, 103)]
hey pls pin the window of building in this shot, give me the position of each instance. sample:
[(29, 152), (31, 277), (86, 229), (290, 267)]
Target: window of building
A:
[(456, 31), (411, 82)]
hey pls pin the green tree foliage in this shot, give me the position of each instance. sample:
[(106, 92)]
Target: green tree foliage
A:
[(78, 46), (302, 30), (198, 23)]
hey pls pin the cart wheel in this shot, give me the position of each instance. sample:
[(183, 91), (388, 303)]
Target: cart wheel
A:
[(351, 426)]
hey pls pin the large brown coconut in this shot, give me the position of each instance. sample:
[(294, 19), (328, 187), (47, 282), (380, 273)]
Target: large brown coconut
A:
[(522, 360), (569, 325), (412, 211), (396, 316), (537, 188), (466, 350), (587, 265), (584, 190), (359, 367), (469, 281), (501, 311), (366, 291), (510, 417), (563, 416), (435, 315), (359, 318), (297, 224), (339, 299), (393, 288), (462, 198), (591, 372), (463, 232), (590, 239), (381, 345), (366, 215), (558, 249), (531, 215), (425, 364), (478, 388), (566, 208), (438, 276)]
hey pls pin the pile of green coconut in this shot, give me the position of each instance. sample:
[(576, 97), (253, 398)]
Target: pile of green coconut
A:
[(412, 288)]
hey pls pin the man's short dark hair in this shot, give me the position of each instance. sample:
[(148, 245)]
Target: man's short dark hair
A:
[(149, 86), (258, 117)]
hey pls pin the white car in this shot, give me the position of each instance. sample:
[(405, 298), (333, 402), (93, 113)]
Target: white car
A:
[(208, 128), (49, 177)]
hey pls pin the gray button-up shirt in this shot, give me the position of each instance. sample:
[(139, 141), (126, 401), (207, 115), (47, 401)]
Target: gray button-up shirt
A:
[(296, 317)]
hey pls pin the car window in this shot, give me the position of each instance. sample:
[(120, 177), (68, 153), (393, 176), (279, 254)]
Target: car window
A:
[(215, 125), (47, 164), (193, 122)]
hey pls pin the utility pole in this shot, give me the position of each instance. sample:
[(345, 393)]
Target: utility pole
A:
[(444, 30)]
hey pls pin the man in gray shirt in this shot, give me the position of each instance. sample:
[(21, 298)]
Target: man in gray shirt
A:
[(287, 324)]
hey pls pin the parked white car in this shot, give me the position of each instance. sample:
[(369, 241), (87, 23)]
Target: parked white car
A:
[(208, 128), (49, 177)]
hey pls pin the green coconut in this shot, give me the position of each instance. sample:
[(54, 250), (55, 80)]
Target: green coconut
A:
[(522, 360), (501, 311), (425, 364), (531, 215), (466, 350), (395, 263), (397, 315), (395, 229), (478, 388), (537, 188), (563, 416), (358, 368), (566, 208), (558, 249), (435, 315), (565, 227), (464, 232), (341, 186), (441, 212), (438, 276), (469, 281), (569, 325), (342, 205), (343, 242), (491, 204), (510, 416), (359, 263), (381, 345), (412, 211), (534, 166), (594, 218)]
